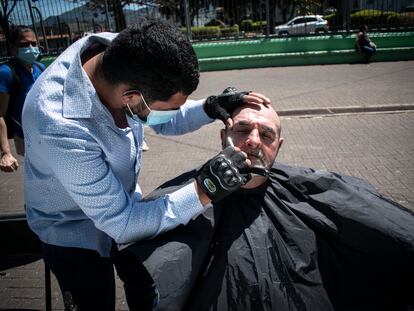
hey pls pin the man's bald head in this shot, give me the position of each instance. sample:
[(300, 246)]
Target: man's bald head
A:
[(265, 111), (256, 131)]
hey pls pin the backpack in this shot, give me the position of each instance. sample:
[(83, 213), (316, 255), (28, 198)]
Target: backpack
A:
[(14, 91)]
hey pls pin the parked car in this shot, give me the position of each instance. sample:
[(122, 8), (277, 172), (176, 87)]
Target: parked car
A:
[(303, 25)]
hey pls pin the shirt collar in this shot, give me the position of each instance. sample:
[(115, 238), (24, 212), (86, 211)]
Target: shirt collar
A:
[(79, 95)]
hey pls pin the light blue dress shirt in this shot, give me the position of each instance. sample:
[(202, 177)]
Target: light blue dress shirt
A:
[(81, 169)]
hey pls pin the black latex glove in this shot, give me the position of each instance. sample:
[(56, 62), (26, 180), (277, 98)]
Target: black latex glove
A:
[(221, 106), (223, 174)]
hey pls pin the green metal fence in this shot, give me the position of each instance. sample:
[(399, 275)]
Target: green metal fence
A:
[(58, 23)]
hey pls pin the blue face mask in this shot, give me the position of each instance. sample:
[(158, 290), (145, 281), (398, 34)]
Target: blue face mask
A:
[(155, 116), (28, 55)]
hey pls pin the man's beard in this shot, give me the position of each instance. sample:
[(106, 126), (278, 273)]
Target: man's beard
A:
[(257, 158)]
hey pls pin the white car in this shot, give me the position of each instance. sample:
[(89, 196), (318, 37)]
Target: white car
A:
[(303, 25)]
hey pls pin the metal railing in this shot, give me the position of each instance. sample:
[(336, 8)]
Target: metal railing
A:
[(58, 23)]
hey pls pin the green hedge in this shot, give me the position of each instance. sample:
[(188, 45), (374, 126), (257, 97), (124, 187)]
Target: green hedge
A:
[(250, 25), (230, 31), (402, 18), (246, 25), (212, 31), (203, 31), (372, 17), (259, 25)]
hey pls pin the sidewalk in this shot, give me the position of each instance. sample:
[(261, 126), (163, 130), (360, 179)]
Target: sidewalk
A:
[(376, 145)]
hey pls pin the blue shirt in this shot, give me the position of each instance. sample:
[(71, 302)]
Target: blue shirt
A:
[(16, 101), (81, 169)]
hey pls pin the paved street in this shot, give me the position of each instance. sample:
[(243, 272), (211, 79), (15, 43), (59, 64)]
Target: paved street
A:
[(376, 146)]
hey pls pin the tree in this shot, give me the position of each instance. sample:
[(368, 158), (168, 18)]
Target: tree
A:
[(301, 7), (167, 8), (307, 7), (114, 6), (7, 7), (170, 8)]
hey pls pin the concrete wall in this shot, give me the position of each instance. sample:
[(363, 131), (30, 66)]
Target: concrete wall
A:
[(326, 49), (312, 50)]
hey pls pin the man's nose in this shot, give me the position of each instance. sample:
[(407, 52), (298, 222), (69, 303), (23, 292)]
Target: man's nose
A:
[(254, 139)]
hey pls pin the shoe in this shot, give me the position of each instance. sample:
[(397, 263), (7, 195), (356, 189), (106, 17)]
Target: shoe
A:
[(145, 146)]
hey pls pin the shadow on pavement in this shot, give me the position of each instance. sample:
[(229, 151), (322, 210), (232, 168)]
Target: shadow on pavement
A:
[(20, 245), (12, 261)]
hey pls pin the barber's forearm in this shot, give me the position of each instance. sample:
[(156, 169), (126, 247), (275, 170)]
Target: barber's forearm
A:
[(148, 219), (204, 199)]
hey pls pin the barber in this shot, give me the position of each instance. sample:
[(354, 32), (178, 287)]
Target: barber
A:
[(84, 127)]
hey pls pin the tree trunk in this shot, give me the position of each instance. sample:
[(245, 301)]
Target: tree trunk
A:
[(119, 16), (272, 16), (292, 13), (4, 22), (6, 30)]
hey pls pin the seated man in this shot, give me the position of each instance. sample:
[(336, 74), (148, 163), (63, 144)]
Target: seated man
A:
[(363, 44), (291, 239)]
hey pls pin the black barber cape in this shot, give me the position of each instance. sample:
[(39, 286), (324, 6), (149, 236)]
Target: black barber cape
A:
[(305, 240)]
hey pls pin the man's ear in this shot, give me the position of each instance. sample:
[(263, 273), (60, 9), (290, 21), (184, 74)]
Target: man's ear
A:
[(125, 99), (281, 140), (128, 98)]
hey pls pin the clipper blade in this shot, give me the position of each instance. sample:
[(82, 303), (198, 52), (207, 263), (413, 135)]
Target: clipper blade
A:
[(229, 142), (259, 170)]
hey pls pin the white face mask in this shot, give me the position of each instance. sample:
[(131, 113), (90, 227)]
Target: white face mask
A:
[(155, 116)]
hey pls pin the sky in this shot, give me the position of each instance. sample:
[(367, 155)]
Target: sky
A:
[(21, 15)]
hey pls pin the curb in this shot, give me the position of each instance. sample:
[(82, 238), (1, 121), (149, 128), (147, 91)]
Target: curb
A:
[(344, 110)]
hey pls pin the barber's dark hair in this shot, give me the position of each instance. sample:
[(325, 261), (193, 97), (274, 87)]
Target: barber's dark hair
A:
[(154, 57), (16, 31)]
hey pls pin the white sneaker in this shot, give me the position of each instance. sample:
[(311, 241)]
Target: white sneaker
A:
[(145, 146)]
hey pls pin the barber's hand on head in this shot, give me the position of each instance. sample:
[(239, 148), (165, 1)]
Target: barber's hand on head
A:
[(224, 174), (8, 163), (221, 106)]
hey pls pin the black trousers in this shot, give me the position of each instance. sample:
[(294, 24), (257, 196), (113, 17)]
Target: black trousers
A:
[(85, 278)]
